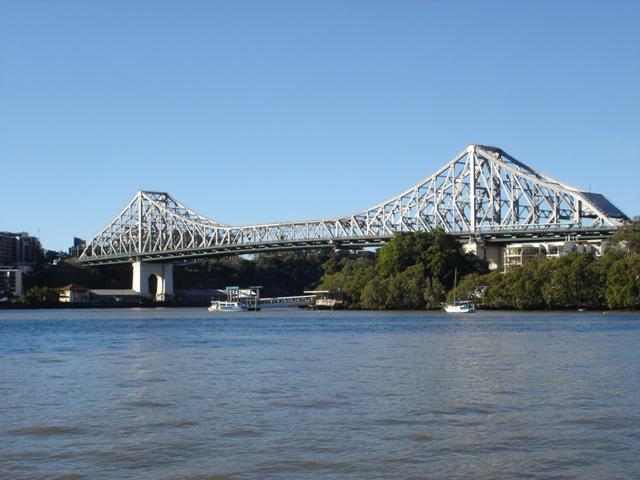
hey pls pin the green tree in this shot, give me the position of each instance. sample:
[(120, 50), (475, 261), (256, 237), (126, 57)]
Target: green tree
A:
[(524, 284), (376, 293), (626, 239), (472, 287), (413, 270), (495, 292), (401, 252), (572, 281), (406, 289), (623, 283), (40, 296), (434, 293), (71, 271), (349, 283)]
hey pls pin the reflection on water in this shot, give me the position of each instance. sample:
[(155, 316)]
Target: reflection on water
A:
[(286, 394)]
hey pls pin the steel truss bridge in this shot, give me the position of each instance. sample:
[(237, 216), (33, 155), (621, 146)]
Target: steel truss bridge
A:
[(481, 193)]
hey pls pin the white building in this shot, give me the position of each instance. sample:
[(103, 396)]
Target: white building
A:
[(517, 254), (73, 293)]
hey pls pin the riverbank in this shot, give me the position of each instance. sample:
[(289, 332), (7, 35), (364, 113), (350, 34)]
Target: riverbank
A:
[(152, 305), (416, 271), (412, 272)]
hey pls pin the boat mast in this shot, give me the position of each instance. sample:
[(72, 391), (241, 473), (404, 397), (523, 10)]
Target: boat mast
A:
[(455, 281)]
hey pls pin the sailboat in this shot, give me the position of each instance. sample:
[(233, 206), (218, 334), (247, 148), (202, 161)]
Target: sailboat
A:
[(458, 306)]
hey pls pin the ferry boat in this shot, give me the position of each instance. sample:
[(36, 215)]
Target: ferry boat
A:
[(238, 300), (458, 306), (222, 306)]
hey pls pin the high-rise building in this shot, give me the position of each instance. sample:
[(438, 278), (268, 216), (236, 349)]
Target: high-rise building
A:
[(78, 247), (19, 249)]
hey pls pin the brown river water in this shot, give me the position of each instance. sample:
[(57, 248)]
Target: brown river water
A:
[(279, 394)]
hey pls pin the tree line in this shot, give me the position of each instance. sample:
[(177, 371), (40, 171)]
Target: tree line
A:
[(412, 271), (415, 271), (573, 281)]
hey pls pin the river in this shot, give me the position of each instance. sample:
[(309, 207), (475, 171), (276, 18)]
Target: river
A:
[(278, 394)]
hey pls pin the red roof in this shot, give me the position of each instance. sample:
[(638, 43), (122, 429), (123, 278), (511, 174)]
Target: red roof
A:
[(75, 288)]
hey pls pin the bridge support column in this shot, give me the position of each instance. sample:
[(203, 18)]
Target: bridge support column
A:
[(153, 280), (493, 254)]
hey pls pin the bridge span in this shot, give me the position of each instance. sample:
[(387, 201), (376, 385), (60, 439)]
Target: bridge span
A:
[(482, 195)]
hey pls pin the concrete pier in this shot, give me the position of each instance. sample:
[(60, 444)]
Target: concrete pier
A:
[(153, 280)]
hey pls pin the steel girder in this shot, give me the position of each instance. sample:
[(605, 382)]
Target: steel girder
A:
[(481, 191)]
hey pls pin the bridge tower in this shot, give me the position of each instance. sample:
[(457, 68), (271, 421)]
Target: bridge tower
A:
[(153, 280)]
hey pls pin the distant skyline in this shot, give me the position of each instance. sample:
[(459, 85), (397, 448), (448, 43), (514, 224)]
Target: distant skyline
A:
[(253, 111)]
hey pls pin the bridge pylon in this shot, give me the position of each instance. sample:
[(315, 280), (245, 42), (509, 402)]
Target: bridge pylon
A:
[(153, 280)]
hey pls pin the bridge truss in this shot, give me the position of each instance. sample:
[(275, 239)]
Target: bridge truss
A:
[(481, 192)]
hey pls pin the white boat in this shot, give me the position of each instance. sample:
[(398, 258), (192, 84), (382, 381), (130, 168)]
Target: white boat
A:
[(220, 306), (458, 306), (234, 302)]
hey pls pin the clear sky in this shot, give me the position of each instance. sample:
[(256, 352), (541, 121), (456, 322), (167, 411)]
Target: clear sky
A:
[(258, 111)]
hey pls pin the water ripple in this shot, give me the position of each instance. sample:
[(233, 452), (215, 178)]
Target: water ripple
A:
[(47, 431), (178, 394)]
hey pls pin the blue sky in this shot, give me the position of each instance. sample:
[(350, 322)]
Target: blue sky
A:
[(258, 111)]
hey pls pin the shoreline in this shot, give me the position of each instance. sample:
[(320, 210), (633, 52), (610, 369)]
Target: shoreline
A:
[(17, 306)]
